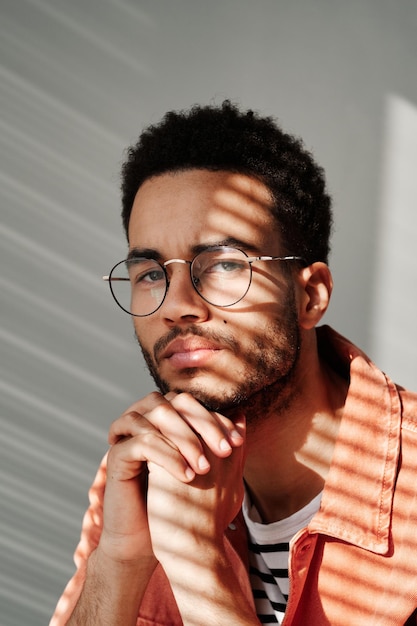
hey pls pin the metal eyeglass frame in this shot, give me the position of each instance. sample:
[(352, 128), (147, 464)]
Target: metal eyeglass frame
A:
[(163, 266)]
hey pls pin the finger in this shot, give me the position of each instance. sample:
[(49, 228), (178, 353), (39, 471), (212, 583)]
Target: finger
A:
[(217, 431), (235, 429), (144, 407), (235, 435), (129, 455), (162, 421), (171, 423), (239, 422), (218, 424)]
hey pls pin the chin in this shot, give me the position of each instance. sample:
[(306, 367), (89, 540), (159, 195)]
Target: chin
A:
[(212, 396), (213, 403), (209, 393)]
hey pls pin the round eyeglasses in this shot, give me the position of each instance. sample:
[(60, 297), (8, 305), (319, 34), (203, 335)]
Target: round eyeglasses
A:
[(220, 275)]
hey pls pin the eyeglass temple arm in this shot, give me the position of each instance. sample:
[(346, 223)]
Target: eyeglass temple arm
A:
[(251, 259)]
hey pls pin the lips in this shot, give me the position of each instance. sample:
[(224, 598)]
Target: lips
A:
[(189, 351)]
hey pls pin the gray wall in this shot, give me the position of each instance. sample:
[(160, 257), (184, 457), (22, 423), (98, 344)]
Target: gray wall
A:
[(79, 79)]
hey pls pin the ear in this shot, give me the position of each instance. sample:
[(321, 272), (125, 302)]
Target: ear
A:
[(315, 288)]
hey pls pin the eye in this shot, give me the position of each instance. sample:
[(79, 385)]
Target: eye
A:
[(224, 266), (145, 273), (153, 276), (216, 266)]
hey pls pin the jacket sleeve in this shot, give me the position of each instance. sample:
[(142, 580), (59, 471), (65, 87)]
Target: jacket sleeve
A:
[(90, 535)]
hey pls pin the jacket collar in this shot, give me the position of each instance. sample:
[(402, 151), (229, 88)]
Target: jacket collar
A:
[(358, 494)]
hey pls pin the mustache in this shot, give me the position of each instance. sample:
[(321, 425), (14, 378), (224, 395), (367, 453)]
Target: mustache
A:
[(192, 330)]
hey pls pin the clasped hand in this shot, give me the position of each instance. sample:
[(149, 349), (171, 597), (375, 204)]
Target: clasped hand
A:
[(174, 478)]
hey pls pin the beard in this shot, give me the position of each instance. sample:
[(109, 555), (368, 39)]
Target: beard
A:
[(267, 377)]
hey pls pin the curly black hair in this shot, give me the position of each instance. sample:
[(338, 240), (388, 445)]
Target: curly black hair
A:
[(224, 138)]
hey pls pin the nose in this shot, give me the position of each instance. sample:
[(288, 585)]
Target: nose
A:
[(182, 304)]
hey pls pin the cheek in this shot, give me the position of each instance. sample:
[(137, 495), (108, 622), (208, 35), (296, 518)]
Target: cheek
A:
[(274, 296), (255, 318), (144, 334), (267, 290)]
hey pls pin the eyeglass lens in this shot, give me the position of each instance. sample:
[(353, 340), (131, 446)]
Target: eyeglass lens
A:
[(221, 276)]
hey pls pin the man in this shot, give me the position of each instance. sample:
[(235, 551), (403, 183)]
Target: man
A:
[(272, 478)]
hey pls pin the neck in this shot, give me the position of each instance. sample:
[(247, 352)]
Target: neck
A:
[(290, 446)]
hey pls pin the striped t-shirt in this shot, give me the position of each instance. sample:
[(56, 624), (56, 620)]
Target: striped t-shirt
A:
[(268, 558)]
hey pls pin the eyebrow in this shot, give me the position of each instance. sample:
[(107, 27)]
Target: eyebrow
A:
[(231, 242), (147, 253), (153, 253)]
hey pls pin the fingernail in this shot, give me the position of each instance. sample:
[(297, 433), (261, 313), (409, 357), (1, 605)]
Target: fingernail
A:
[(236, 435), (203, 463), (225, 445), (189, 473)]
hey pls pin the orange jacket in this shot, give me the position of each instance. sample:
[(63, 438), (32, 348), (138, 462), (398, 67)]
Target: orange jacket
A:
[(356, 562)]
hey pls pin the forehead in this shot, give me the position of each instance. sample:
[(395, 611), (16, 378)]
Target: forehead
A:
[(183, 209)]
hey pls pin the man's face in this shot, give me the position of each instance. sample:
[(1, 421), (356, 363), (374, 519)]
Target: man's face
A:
[(222, 356)]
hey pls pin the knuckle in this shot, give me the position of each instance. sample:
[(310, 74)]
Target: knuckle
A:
[(133, 417), (148, 438), (155, 396), (185, 402), (157, 414), (184, 396)]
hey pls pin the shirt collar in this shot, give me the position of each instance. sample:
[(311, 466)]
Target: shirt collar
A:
[(359, 489)]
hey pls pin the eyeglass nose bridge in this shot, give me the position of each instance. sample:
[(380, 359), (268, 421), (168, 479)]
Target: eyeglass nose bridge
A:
[(183, 261), (170, 262), (194, 281)]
